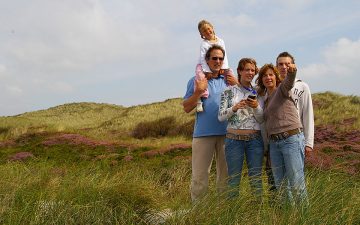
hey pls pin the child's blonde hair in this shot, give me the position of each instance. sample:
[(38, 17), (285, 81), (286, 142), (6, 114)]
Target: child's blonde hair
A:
[(203, 23)]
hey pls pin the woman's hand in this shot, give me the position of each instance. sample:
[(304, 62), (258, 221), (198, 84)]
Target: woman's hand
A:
[(253, 103), (291, 68), (240, 105)]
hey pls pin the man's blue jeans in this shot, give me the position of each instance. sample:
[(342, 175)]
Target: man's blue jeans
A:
[(235, 151), (287, 163)]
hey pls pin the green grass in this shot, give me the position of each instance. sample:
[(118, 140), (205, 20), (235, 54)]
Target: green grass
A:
[(50, 190), (334, 109), (67, 184), (85, 194), (100, 121), (91, 183), (111, 122)]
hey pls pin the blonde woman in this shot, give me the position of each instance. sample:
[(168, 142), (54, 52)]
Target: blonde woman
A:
[(240, 107)]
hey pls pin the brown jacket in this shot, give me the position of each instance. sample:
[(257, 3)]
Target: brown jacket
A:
[(280, 112)]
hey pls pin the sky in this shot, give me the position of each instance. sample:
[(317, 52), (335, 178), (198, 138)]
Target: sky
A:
[(131, 52)]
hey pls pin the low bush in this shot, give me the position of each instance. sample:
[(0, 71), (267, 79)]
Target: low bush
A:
[(157, 128), (185, 129)]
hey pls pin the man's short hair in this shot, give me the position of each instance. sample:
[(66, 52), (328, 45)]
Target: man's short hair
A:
[(285, 54), (214, 47)]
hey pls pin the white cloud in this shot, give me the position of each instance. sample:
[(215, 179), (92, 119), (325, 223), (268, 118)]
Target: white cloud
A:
[(244, 20), (340, 59), (14, 90), (62, 36), (344, 53), (139, 51), (60, 87), (315, 70), (66, 36), (294, 4), (2, 71)]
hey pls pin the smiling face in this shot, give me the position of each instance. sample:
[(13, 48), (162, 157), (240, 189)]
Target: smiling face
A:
[(215, 60), (207, 32), (269, 79), (247, 74)]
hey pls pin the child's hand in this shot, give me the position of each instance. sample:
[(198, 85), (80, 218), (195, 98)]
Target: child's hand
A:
[(231, 79)]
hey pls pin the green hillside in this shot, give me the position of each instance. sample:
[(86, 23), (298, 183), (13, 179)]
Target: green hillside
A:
[(99, 121), (89, 163), (339, 110), (112, 122)]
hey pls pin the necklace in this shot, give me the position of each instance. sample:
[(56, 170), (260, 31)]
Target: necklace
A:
[(252, 90)]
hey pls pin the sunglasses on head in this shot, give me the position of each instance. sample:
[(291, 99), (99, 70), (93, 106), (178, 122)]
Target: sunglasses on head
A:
[(217, 58)]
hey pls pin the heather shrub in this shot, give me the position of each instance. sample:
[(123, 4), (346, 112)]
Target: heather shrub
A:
[(3, 129), (156, 128), (185, 129)]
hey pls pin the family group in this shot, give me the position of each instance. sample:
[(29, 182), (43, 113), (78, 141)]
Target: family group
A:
[(239, 118)]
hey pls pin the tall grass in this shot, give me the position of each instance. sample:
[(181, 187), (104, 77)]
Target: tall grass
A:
[(333, 199), (87, 194), (97, 192), (76, 184), (80, 184)]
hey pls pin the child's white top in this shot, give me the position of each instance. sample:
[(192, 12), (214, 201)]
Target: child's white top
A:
[(204, 46)]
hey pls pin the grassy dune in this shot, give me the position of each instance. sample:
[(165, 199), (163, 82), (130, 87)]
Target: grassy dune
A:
[(100, 121), (88, 167), (338, 110), (111, 122)]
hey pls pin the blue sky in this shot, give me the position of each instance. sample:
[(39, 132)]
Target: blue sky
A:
[(137, 52)]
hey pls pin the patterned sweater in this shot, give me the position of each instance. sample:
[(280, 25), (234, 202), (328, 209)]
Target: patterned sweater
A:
[(244, 119)]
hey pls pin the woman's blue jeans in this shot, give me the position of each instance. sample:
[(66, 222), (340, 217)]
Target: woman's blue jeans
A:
[(287, 163), (235, 152)]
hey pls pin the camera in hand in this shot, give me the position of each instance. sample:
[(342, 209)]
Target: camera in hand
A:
[(252, 97)]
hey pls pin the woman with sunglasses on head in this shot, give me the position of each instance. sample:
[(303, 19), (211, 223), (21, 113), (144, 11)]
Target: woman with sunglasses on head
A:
[(240, 107), (284, 132)]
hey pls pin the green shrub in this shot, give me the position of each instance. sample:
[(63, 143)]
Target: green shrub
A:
[(186, 129), (3, 130), (157, 128)]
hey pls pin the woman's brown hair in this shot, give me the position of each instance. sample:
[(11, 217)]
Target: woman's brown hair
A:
[(261, 89)]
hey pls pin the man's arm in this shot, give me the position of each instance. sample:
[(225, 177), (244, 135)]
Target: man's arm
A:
[(190, 103)]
